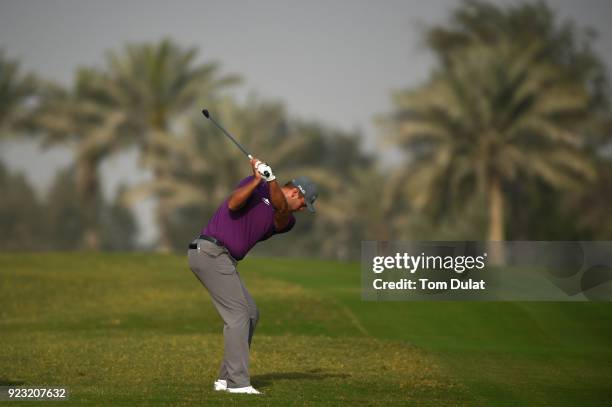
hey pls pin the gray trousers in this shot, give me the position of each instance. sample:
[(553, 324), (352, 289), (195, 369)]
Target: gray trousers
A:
[(216, 269)]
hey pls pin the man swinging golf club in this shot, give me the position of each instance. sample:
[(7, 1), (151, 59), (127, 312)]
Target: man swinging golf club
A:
[(257, 209)]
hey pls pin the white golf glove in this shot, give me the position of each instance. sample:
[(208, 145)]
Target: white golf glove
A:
[(264, 169)]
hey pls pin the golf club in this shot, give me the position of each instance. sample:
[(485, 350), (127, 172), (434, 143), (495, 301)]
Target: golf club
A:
[(209, 117)]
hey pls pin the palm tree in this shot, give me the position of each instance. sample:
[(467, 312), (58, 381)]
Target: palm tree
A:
[(156, 86), (562, 44), (493, 116), (83, 119), (16, 90)]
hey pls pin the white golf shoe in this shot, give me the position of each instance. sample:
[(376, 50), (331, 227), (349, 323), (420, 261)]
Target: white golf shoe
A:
[(220, 385), (243, 390)]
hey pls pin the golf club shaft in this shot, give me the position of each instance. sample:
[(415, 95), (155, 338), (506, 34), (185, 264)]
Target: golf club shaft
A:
[(208, 116)]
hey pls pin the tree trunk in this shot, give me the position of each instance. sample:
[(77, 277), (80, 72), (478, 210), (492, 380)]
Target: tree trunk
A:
[(496, 222), (496, 211), (88, 190), (164, 243), (159, 154)]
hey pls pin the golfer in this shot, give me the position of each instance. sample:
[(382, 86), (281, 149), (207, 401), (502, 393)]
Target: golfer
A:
[(257, 209)]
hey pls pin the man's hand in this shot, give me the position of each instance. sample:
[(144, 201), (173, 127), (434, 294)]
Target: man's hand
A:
[(262, 170), (254, 163)]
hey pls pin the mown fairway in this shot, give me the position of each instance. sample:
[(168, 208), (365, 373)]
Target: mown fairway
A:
[(139, 329)]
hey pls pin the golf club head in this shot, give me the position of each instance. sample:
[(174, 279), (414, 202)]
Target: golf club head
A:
[(205, 113)]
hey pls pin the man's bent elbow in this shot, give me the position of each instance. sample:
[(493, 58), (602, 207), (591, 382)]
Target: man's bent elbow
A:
[(233, 205)]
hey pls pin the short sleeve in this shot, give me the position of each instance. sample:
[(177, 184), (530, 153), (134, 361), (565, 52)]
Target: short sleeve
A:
[(245, 181)]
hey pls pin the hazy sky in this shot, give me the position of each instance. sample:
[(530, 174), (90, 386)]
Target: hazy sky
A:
[(334, 61)]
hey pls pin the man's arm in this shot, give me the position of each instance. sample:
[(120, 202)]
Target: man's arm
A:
[(242, 194)]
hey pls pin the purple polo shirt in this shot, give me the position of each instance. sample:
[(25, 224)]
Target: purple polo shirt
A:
[(240, 230)]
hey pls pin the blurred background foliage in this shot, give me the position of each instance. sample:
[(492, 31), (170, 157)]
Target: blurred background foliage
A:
[(508, 139)]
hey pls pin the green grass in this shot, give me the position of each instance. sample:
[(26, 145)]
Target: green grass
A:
[(139, 329)]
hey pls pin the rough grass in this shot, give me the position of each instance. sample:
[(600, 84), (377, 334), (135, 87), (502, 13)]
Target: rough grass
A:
[(139, 329)]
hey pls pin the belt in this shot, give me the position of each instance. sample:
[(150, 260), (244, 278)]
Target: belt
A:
[(209, 238)]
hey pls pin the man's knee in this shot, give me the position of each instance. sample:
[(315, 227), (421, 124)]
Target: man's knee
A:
[(255, 316), (239, 317)]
